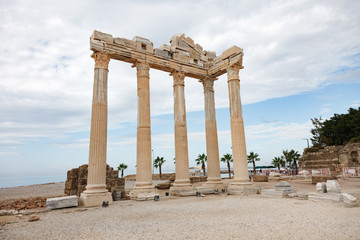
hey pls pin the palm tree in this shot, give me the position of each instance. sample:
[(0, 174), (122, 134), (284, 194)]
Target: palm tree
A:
[(122, 167), (278, 162), (158, 162), (252, 157), (292, 157), (202, 158), (227, 158)]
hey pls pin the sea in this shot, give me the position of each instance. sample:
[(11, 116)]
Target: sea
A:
[(6, 182)]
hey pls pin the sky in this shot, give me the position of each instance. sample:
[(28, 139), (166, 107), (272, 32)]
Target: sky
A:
[(301, 61)]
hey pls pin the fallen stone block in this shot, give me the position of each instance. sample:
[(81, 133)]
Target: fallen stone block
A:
[(316, 179), (321, 187), (260, 178), (334, 197), (62, 202), (332, 186), (284, 187), (302, 196), (349, 200)]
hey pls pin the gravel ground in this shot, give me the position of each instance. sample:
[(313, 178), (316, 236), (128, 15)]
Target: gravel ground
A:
[(210, 217)]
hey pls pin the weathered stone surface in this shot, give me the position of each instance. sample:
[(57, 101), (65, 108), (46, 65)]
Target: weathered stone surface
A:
[(332, 186), (321, 187), (316, 179), (165, 185), (62, 202), (260, 178), (334, 197), (205, 190), (242, 189), (125, 42), (162, 53), (97, 35), (231, 51), (142, 40)]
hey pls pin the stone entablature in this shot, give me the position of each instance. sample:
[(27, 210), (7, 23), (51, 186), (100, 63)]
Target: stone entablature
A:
[(183, 54), (334, 157)]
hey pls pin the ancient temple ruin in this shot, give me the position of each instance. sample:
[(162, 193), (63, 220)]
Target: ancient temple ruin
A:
[(183, 58)]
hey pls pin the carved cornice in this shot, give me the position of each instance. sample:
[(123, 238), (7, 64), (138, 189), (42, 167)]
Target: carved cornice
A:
[(142, 69), (178, 78), (233, 72), (101, 60)]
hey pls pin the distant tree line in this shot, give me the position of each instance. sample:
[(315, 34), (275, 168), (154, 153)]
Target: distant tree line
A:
[(338, 130)]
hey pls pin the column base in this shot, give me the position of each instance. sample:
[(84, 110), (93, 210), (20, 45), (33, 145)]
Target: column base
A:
[(242, 188), (182, 190), (143, 193), (94, 199), (215, 185)]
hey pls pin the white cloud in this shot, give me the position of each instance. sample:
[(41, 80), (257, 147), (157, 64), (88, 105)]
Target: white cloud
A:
[(290, 47)]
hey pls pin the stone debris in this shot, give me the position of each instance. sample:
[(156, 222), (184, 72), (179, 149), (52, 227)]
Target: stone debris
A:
[(282, 189), (349, 200), (332, 186), (321, 187), (34, 218), (8, 212), (260, 178), (205, 190), (334, 197), (62, 202)]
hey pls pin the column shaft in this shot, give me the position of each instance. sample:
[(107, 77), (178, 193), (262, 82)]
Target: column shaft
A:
[(237, 127), (143, 155), (181, 142), (98, 134), (212, 148), (96, 191)]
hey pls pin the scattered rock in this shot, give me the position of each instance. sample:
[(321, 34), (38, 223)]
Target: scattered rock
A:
[(332, 186), (34, 218), (321, 187), (303, 196), (8, 212), (349, 200)]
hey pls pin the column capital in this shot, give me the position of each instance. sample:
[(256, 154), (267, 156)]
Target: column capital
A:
[(142, 69), (178, 77), (208, 83), (101, 59), (233, 72)]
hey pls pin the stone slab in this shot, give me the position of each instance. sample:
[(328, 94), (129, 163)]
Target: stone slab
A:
[(242, 189), (334, 197), (62, 202), (162, 53)]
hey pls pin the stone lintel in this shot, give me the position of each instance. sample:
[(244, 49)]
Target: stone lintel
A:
[(198, 65)]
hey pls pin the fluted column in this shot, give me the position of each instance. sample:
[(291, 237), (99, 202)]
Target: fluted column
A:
[(96, 191), (181, 141), (143, 153), (212, 148), (241, 174)]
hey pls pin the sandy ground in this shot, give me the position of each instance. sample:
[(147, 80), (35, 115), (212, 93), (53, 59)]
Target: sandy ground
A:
[(210, 217)]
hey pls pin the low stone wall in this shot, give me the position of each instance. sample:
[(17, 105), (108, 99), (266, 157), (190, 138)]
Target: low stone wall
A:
[(77, 180), (333, 157)]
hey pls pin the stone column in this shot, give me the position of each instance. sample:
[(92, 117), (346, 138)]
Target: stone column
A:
[(143, 184), (212, 148), (96, 191), (241, 184), (182, 185)]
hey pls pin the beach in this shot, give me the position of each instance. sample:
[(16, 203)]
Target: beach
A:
[(210, 217)]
